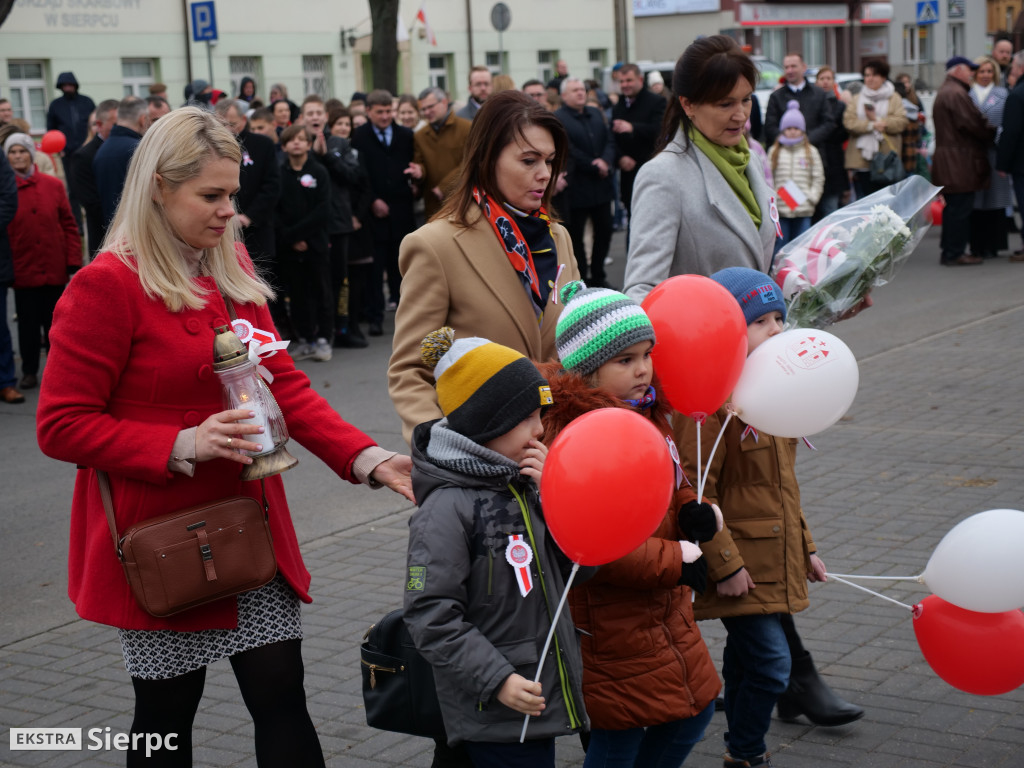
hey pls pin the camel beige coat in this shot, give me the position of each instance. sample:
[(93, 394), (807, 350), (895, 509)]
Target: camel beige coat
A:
[(462, 278), (440, 153)]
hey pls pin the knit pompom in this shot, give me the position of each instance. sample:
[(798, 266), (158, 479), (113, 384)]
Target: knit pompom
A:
[(435, 344), (571, 289)]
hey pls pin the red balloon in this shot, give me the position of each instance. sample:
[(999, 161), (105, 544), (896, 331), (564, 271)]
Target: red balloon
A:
[(52, 142), (702, 342), (976, 652), (606, 485), (936, 212)]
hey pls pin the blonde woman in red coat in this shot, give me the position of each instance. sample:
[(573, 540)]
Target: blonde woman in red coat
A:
[(46, 248), (130, 390), (648, 681)]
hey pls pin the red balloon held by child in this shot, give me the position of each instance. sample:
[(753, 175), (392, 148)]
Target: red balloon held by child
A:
[(606, 485), (53, 142), (978, 653), (702, 342)]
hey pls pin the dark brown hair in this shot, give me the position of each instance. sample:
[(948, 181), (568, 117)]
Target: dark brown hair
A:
[(292, 131), (501, 121), (336, 114), (707, 71), (877, 66)]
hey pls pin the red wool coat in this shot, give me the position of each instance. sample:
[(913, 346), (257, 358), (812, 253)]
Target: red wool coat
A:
[(123, 377), (644, 660), (44, 236)]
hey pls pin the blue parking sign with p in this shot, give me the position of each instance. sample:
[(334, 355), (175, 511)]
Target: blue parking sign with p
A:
[(204, 22)]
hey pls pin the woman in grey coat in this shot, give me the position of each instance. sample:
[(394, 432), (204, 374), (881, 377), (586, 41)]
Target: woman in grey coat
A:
[(701, 205), (988, 219)]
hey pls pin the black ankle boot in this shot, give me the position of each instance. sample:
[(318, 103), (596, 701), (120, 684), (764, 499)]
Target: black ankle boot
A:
[(808, 695)]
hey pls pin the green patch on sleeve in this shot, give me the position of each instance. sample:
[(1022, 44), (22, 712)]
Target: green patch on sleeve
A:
[(417, 578)]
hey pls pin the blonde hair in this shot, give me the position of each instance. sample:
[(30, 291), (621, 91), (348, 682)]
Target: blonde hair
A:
[(177, 147)]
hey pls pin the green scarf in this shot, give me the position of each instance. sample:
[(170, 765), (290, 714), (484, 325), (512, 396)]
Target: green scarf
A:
[(732, 164)]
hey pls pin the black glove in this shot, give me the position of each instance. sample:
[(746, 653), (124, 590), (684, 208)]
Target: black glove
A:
[(697, 521), (695, 575)]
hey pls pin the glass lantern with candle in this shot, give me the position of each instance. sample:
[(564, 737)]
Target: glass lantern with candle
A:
[(244, 388)]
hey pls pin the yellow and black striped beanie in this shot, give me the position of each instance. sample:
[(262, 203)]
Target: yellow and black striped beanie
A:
[(484, 389)]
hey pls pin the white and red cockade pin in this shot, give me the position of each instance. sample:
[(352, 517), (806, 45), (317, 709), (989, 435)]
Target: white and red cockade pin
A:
[(519, 556)]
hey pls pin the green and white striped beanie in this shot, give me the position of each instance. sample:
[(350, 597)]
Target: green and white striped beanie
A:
[(596, 324)]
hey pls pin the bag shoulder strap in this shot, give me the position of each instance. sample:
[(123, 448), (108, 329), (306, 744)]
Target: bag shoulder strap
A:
[(108, 506), (892, 147)]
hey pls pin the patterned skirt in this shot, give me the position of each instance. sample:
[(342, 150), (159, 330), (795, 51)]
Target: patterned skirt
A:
[(266, 615)]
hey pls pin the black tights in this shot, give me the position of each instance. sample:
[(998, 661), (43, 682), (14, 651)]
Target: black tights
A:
[(270, 679)]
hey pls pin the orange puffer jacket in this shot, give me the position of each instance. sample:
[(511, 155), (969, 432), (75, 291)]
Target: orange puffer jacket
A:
[(644, 660)]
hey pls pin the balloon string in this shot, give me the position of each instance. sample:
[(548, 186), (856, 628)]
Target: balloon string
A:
[(707, 469), (547, 642), (700, 485), (869, 591), (876, 578)]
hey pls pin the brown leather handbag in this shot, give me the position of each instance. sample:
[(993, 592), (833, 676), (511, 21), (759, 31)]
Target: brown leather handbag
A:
[(196, 555)]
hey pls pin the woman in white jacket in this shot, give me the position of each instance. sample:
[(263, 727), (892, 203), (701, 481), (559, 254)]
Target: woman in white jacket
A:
[(799, 175)]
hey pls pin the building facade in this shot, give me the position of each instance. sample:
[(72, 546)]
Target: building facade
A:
[(119, 47)]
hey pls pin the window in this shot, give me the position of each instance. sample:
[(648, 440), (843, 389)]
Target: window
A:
[(437, 70), (243, 66), (546, 65), (496, 62), (956, 43), (136, 77), (28, 92), (773, 44), (814, 46), (316, 76), (916, 43), (598, 59)]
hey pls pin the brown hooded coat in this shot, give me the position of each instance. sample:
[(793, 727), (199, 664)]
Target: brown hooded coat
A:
[(644, 660)]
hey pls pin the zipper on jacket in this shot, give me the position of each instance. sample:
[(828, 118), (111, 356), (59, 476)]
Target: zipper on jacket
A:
[(563, 673), (490, 572)]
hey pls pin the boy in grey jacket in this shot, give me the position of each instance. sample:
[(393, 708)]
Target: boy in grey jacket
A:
[(484, 576)]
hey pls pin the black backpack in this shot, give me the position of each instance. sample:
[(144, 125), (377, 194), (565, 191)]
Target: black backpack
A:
[(398, 684)]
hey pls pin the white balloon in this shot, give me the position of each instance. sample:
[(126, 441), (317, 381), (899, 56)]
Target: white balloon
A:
[(979, 564), (797, 383)]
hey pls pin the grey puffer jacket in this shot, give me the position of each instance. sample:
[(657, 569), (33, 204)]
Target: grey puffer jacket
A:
[(463, 605)]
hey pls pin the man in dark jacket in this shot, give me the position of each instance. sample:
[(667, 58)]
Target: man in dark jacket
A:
[(960, 163), (8, 207), (69, 113), (110, 165), (636, 120), (590, 191), (82, 178), (813, 106), (1010, 150), (387, 150)]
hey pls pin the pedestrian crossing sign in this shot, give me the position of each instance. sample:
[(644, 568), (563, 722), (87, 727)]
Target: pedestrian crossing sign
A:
[(928, 12)]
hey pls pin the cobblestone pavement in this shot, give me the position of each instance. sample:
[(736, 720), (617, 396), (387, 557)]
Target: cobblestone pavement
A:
[(935, 435)]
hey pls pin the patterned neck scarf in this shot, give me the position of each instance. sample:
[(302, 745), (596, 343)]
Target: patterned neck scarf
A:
[(511, 238), (644, 402)]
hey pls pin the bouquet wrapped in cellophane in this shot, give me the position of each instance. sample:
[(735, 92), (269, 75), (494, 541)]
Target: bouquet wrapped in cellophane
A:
[(831, 267)]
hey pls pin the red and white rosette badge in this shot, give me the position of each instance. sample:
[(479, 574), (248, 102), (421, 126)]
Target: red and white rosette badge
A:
[(519, 556), (261, 344)]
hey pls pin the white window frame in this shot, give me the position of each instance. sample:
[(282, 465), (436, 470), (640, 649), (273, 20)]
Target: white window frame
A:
[(546, 61), (956, 39), (137, 84), (22, 90), (773, 44), (317, 68), (439, 70), (241, 67), (496, 62), (813, 41), (597, 59)]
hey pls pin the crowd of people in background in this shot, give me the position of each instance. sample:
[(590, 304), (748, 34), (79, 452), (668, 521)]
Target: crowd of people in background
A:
[(329, 189)]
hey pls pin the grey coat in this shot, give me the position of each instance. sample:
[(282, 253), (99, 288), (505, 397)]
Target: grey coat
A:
[(999, 194), (687, 220), (464, 610)]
